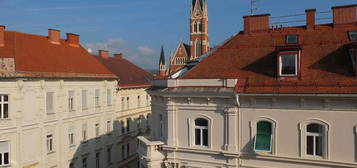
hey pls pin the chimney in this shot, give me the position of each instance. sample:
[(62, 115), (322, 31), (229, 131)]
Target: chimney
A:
[(118, 56), (104, 54), (54, 36), (310, 18), (256, 23), (344, 14), (2, 36), (73, 39)]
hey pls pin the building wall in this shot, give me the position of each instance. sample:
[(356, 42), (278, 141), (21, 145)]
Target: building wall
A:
[(137, 111), (28, 124)]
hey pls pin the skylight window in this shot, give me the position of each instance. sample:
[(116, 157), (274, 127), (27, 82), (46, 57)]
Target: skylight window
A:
[(353, 35), (288, 65), (292, 39)]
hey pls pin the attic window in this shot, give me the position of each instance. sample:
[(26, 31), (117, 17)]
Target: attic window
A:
[(288, 65), (352, 35), (292, 39)]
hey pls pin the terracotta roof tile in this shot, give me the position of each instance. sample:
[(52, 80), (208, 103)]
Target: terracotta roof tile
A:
[(326, 66)]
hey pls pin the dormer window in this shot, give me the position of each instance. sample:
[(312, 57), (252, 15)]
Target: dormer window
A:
[(292, 39), (352, 35), (288, 64)]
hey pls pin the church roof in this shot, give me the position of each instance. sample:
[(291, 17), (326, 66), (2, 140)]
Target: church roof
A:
[(162, 56), (200, 1)]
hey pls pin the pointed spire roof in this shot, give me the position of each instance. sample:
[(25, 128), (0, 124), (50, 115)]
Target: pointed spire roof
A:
[(162, 56), (201, 2)]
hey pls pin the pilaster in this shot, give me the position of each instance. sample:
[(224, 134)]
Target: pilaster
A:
[(231, 130)]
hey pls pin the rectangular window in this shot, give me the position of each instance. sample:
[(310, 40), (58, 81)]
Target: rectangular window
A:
[(263, 138), (4, 106), (122, 151), (71, 100), (84, 132), (84, 162), (97, 129), (352, 35), (139, 103), (109, 153), (161, 125), (49, 102), (49, 143), (122, 127), (96, 97), (127, 103), (128, 149), (97, 160), (4, 153), (71, 140), (109, 97), (122, 103), (292, 39), (84, 99), (109, 126), (127, 125), (288, 65)]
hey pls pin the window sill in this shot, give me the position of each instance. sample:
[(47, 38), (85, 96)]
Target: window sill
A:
[(4, 166), (5, 119), (73, 145), (51, 113), (200, 147), (51, 152), (311, 157)]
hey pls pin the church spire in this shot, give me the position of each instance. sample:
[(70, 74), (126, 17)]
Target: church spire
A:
[(162, 62), (199, 29)]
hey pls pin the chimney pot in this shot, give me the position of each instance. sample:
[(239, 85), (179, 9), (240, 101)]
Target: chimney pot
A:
[(118, 56), (344, 14), (73, 39), (310, 18), (54, 36), (256, 23), (2, 36), (104, 54)]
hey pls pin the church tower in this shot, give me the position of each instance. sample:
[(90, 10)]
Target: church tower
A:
[(162, 63), (199, 29)]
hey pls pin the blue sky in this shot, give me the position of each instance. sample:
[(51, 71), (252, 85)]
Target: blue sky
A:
[(138, 28)]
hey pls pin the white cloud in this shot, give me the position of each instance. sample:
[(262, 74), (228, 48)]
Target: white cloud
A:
[(144, 50), (114, 45)]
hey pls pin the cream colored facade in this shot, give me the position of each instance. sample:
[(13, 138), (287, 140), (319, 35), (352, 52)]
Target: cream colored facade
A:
[(31, 124), (232, 127), (132, 113)]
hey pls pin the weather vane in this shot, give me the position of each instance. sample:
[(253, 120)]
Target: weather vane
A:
[(252, 6)]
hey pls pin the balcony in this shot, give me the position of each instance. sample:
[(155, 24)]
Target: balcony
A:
[(150, 152)]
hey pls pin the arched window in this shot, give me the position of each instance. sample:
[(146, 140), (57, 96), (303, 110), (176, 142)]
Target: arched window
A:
[(201, 132), (195, 27), (198, 48), (314, 139), (199, 27), (263, 138)]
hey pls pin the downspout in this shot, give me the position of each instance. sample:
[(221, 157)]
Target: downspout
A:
[(238, 104)]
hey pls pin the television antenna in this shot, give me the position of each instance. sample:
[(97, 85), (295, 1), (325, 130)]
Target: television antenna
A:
[(252, 6)]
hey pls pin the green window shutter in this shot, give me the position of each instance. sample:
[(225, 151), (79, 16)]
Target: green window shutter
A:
[(263, 138)]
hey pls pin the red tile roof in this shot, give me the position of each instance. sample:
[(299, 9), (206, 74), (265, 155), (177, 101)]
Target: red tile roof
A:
[(129, 74), (35, 56), (326, 66)]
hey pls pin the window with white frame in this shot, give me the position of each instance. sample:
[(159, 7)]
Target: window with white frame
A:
[(97, 97), (109, 97), (71, 140), (49, 102), (161, 122), (314, 139), (4, 153), (288, 65), (71, 100), (84, 99), (109, 126), (201, 132), (97, 129), (4, 106), (84, 132), (122, 103), (84, 162), (263, 138), (49, 143)]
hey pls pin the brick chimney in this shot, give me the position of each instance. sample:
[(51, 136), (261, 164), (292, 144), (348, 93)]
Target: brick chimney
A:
[(2, 36), (310, 18), (256, 23), (73, 39), (54, 36), (344, 15), (118, 56), (104, 54)]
